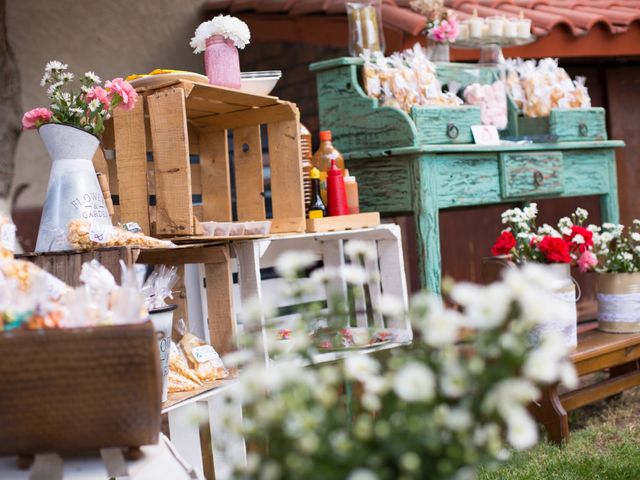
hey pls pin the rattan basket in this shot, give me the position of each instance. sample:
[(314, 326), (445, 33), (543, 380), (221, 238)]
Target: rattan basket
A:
[(76, 390)]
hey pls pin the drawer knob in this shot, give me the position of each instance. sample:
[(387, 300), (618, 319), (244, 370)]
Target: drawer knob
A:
[(583, 129), (538, 178), (452, 131)]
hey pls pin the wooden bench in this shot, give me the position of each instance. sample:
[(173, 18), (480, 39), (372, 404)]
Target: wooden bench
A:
[(597, 351)]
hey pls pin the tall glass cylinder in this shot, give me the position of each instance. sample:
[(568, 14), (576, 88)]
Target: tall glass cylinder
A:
[(365, 27)]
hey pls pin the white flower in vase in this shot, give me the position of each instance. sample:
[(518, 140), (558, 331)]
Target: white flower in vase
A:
[(226, 26)]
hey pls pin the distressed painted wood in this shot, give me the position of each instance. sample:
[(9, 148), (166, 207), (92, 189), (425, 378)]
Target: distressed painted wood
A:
[(445, 125), (585, 172), (408, 164), (356, 121), (465, 180), (427, 223), (384, 186), (573, 125), (530, 174)]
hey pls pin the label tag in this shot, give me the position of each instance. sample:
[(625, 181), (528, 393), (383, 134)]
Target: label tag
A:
[(100, 233), (204, 353), (485, 135), (8, 236)]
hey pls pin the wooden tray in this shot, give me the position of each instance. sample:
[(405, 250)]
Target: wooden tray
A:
[(343, 222)]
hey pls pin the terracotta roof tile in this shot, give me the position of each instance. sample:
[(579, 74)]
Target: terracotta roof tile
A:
[(578, 17)]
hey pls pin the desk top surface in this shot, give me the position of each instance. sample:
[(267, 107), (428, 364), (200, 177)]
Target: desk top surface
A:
[(473, 148)]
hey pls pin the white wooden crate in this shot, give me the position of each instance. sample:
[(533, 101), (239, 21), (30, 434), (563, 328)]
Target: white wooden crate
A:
[(254, 261), (257, 257)]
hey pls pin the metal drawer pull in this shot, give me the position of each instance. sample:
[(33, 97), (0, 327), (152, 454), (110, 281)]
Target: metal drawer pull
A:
[(452, 131), (538, 178), (583, 129)]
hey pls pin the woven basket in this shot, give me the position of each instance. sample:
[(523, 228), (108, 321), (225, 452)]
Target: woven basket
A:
[(77, 390)]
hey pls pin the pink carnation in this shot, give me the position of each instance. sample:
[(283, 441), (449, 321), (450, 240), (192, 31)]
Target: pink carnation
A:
[(36, 117), (124, 90), (100, 94), (446, 31), (586, 261)]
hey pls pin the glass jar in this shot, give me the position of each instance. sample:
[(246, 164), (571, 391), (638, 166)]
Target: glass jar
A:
[(365, 27), (222, 62)]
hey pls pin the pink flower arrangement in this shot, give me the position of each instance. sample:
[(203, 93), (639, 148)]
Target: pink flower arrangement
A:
[(36, 117), (444, 30), (86, 109), (100, 94), (123, 90)]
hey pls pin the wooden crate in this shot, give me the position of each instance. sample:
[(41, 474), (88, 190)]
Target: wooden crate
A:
[(172, 164), (343, 222)]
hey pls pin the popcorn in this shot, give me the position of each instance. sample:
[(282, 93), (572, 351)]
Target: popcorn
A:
[(537, 88), (405, 80), (82, 234)]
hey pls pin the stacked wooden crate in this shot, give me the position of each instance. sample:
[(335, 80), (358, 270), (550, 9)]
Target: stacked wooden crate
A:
[(185, 127)]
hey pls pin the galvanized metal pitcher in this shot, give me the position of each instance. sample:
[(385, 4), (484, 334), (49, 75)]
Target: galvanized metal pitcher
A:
[(73, 191)]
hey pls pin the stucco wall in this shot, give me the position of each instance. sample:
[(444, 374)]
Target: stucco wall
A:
[(112, 38)]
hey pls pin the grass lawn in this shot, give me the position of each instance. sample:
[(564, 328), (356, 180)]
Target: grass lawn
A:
[(604, 445)]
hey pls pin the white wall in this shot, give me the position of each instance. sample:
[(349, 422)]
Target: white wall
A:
[(111, 37)]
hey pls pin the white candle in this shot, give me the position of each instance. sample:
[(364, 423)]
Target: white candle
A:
[(475, 27), (495, 26), (524, 27), (510, 29), (463, 32)]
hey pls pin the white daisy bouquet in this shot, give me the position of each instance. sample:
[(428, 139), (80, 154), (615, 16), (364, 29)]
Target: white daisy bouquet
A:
[(436, 409), (617, 250), (86, 108), (231, 28)]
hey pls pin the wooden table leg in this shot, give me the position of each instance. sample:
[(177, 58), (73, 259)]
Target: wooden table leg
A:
[(552, 415), (427, 225)]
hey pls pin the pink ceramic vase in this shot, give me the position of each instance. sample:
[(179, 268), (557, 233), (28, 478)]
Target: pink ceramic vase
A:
[(221, 62)]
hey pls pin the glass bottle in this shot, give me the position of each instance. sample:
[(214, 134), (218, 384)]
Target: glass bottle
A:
[(365, 27), (316, 206), (322, 160)]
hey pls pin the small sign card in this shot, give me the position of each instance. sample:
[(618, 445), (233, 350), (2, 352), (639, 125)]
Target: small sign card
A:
[(485, 135)]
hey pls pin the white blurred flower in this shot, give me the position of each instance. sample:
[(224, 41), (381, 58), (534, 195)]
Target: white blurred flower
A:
[(568, 375), (522, 431), (389, 306), (441, 328), (360, 367), (510, 393), (361, 250), (531, 211), (635, 236), (414, 382), (594, 228), (362, 474), (353, 274), (290, 264), (371, 402), (548, 230), (578, 239), (92, 77), (581, 214), (375, 384), (55, 65), (484, 307), (458, 419)]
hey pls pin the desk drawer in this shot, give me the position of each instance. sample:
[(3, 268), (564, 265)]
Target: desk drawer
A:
[(578, 124), (524, 174)]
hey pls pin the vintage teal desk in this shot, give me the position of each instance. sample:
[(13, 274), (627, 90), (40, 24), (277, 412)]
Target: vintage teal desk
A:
[(423, 162)]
